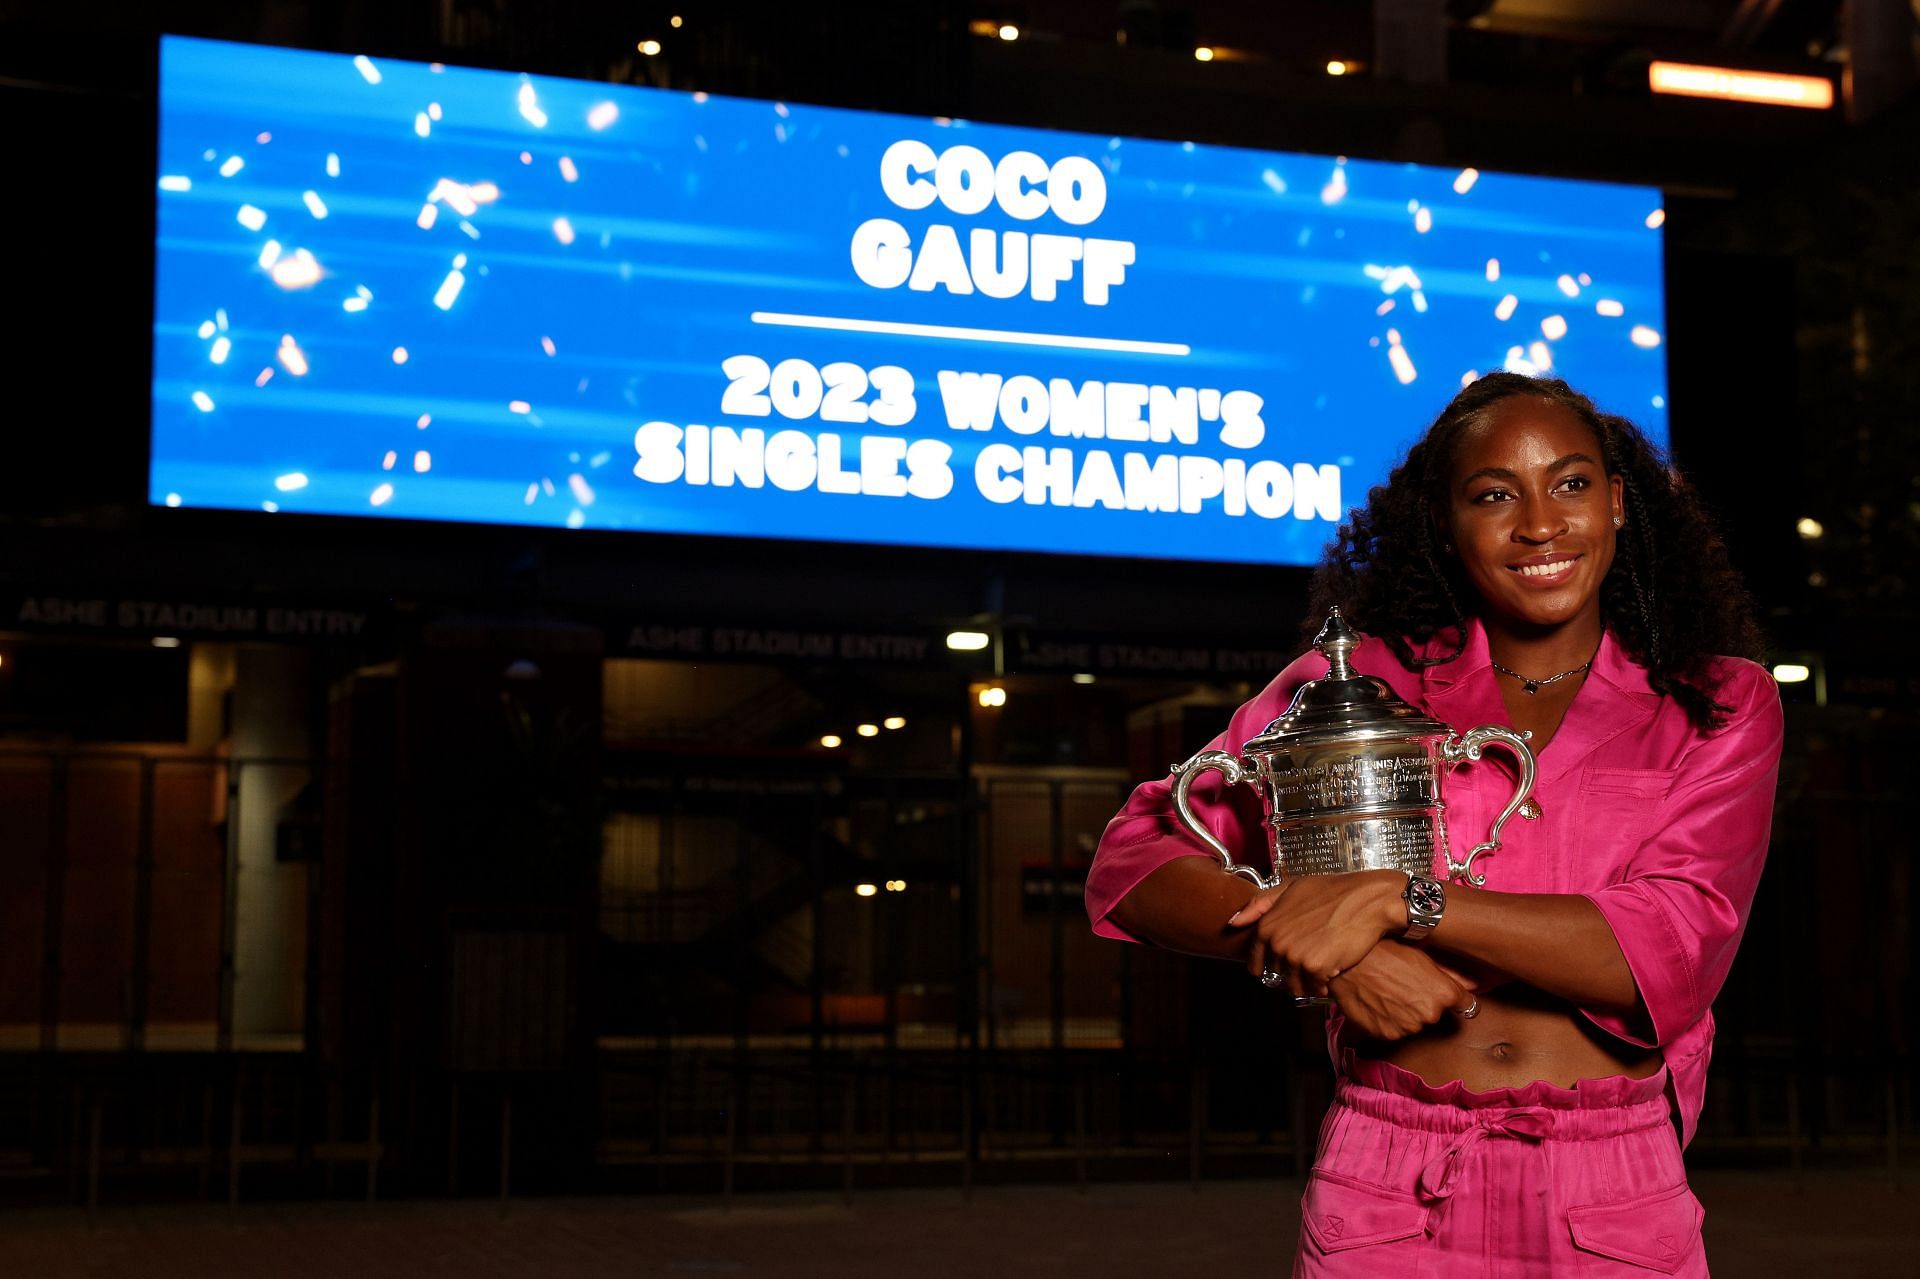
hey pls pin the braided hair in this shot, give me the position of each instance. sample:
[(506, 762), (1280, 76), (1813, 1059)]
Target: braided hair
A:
[(1673, 612)]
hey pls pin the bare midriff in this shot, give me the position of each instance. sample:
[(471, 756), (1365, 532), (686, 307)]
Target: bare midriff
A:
[(1520, 1035)]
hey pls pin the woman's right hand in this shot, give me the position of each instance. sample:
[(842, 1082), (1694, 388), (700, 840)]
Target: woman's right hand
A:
[(1397, 991)]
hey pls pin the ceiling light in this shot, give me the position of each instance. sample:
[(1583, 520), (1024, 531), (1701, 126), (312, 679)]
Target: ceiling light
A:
[(968, 641), (1203, 54), (868, 730), (865, 890), (1009, 32), (1083, 677), (893, 721), (1810, 529), (648, 47), (1734, 85), (831, 741), (993, 696), (1791, 673), (1336, 68), (165, 641), (674, 22)]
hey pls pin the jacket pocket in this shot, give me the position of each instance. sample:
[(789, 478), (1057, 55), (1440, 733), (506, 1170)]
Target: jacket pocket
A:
[(1341, 1213), (1657, 1232), (1618, 809)]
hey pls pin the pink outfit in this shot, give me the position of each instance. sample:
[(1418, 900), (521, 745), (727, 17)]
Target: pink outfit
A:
[(1536, 1181), (1664, 828)]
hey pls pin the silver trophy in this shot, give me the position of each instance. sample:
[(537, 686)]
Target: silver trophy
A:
[(1350, 777)]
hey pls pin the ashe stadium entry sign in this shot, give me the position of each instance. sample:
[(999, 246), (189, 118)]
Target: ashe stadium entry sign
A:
[(398, 290)]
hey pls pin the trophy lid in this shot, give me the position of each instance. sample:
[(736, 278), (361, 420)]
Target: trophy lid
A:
[(1343, 704)]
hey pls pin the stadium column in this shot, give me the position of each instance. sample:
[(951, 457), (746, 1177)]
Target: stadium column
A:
[(1410, 41), (1881, 65)]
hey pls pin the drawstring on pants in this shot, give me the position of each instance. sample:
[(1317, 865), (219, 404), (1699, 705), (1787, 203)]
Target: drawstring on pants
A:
[(1442, 1173)]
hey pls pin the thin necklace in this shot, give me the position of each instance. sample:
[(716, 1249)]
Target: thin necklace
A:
[(1533, 686)]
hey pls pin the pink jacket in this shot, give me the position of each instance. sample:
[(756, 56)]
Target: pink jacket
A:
[(1662, 827)]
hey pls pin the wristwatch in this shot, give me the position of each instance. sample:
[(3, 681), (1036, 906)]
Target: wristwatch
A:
[(1426, 899)]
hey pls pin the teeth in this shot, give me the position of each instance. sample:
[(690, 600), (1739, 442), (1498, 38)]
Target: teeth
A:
[(1543, 570)]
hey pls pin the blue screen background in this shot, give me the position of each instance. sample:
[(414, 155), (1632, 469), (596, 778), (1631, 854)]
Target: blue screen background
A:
[(518, 402)]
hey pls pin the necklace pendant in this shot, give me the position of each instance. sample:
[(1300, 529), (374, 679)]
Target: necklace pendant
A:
[(1531, 685), (1530, 809)]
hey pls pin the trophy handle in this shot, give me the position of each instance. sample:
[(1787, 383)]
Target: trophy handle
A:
[(1465, 746), (1237, 770)]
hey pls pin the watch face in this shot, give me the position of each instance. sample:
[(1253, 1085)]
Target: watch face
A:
[(1427, 896)]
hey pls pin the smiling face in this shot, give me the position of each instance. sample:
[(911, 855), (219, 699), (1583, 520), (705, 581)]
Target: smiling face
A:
[(1530, 512)]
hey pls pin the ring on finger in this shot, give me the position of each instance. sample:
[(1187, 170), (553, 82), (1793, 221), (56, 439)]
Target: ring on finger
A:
[(1471, 1010), (1272, 978)]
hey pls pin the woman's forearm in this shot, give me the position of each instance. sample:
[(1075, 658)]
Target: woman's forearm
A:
[(1184, 906), (1558, 942)]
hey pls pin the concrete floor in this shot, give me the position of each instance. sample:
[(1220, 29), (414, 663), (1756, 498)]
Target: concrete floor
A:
[(1831, 1225)]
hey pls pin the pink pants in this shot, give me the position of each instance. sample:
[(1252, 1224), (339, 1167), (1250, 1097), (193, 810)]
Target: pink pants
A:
[(1413, 1180)]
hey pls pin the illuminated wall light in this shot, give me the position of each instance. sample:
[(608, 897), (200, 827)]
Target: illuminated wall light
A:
[(1791, 673), (1810, 529), (865, 890), (1203, 54), (649, 47), (675, 21), (868, 730), (831, 741), (1083, 677), (896, 885), (968, 641), (1336, 68), (1733, 85), (1008, 32), (991, 697), (165, 641), (893, 722)]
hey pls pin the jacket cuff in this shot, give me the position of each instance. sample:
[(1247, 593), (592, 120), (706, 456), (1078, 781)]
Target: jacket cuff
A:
[(1658, 958)]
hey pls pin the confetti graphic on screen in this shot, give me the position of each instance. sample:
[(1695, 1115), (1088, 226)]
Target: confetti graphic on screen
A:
[(401, 290)]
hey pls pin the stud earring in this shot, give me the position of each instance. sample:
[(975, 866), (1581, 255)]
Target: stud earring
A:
[(1618, 520)]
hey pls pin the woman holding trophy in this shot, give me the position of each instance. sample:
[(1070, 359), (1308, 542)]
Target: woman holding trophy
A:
[(1520, 1026)]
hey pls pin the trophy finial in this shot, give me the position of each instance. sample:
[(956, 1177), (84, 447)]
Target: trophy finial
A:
[(1336, 641)]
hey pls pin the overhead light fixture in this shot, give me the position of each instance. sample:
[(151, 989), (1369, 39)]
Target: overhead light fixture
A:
[(868, 730), (1791, 673), (1810, 529), (1203, 54), (968, 641), (674, 22), (994, 696), (1336, 68), (1083, 677), (865, 890), (1768, 88), (1009, 32), (893, 721), (648, 47), (896, 885), (831, 741), (165, 641)]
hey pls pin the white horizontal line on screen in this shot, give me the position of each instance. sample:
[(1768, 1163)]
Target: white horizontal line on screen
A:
[(958, 333)]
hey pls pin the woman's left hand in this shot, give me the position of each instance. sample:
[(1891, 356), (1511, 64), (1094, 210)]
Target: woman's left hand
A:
[(1317, 926)]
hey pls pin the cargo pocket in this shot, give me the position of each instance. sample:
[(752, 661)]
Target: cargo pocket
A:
[(1658, 1232), (1342, 1214)]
